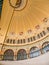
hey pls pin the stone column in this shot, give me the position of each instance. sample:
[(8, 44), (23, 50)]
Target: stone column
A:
[(15, 56), (27, 54)]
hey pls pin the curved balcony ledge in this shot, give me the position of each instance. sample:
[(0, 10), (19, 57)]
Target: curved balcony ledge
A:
[(26, 43)]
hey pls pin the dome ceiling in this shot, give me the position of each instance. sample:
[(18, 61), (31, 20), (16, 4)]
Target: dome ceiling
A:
[(31, 16), (28, 16)]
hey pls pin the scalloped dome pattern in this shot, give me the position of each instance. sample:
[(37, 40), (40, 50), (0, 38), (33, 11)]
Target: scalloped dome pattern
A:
[(27, 22), (30, 18), (24, 29)]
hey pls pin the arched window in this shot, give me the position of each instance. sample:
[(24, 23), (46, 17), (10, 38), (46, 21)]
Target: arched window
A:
[(34, 52), (21, 55), (14, 41), (23, 40), (30, 39), (45, 47), (8, 55), (8, 40), (11, 40)]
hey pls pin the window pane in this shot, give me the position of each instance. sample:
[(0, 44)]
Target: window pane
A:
[(46, 48), (34, 52), (21, 55)]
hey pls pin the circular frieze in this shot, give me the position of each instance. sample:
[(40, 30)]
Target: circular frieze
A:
[(18, 4)]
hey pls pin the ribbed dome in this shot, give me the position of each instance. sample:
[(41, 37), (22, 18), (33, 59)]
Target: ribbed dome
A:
[(30, 17), (24, 29), (25, 17)]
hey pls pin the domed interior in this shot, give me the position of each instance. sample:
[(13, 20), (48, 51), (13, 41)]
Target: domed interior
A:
[(30, 18), (24, 21)]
